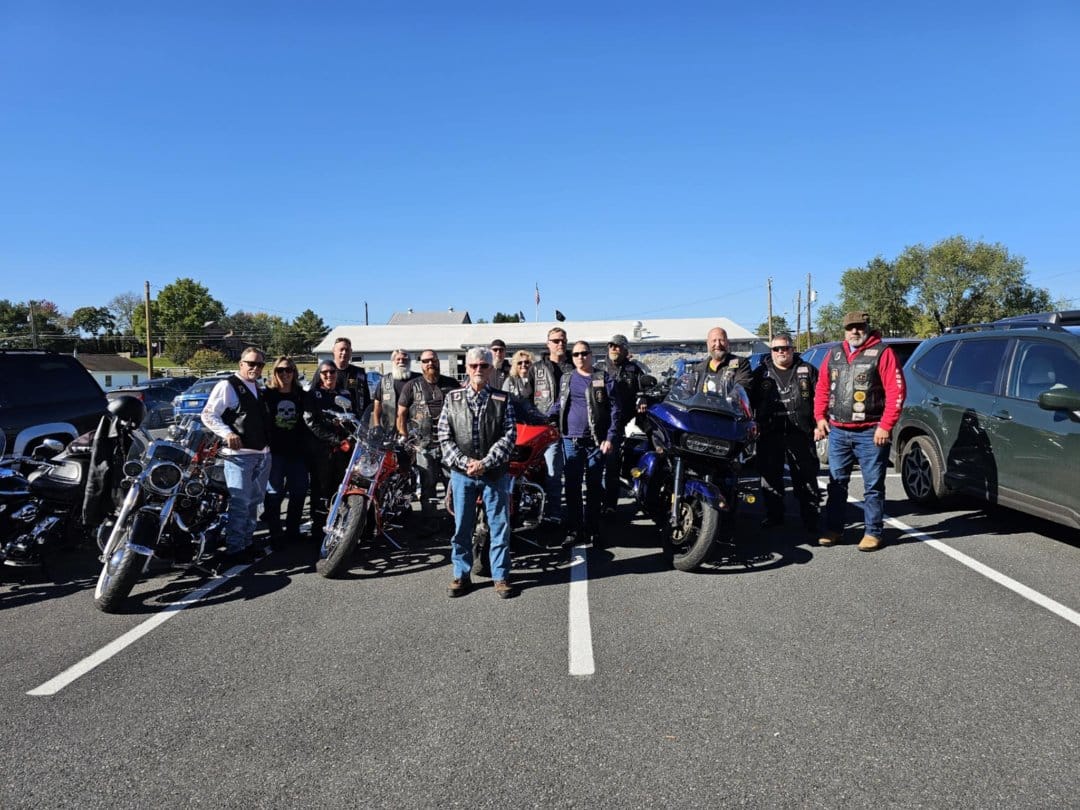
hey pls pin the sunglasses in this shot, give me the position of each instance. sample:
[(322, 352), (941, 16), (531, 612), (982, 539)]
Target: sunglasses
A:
[(253, 363), (781, 348), (284, 370), (475, 366), (328, 371), (524, 363), (581, 354), (498, 349), (429, 359), (556, 340)]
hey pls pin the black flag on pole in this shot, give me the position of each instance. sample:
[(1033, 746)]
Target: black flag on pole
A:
[(559, 316)]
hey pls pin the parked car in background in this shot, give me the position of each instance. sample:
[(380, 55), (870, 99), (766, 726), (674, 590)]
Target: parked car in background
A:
[(157, 399), (45, 395), (193, 400), (816, 354), (993, 411)]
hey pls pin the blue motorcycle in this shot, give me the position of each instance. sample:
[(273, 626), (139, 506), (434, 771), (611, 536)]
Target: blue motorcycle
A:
[(685, 472)]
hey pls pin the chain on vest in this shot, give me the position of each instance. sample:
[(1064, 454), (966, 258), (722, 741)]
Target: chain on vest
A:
[(856, 393)]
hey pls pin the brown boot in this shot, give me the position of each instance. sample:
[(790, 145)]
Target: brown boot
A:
[(830, 538), (503, 588), (869, 543), (459, 586)]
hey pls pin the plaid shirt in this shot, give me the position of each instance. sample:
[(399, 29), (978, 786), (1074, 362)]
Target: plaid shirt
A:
[(500, 450)]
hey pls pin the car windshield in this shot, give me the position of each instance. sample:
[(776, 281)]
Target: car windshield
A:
[(717, 396)]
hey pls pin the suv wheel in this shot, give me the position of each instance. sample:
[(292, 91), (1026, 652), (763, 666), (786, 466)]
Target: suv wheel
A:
[(921, 471)]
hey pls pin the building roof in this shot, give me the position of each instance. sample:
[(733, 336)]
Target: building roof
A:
[(410, 318), (109, 362), (454, 337)]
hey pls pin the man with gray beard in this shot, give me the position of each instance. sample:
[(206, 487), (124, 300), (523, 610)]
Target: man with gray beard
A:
[(384, 411)]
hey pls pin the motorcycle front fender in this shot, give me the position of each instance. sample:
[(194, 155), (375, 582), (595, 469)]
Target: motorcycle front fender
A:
[(707, 492)]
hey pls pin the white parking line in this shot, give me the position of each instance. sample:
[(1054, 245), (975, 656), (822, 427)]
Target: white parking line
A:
[(1068, 614), (73, 673), (581, 653)]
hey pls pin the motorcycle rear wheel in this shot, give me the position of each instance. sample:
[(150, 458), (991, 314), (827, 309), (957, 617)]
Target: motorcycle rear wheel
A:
[(342, 537), (122, 565), (692, 540)]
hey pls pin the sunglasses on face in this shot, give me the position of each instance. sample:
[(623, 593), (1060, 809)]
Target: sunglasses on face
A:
[(253, 363), (284, 370), (475, 366), (781, 348), (328, 371), (581, 354), (556, 340), (524, 363), (429, 359)]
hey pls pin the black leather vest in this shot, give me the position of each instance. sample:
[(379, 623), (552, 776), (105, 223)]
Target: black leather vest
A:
[(249, 419), (424, 396), (490, 429), (597, 403), (545, 385), (792, 403), (856, 393)]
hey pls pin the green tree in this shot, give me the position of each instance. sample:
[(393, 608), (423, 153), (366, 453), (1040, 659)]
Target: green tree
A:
[(502, 317), (969, 282), (204, 360), (780, 326), (122, 307), (307, 329), (180, 312), (827, 323), (92, 320), (884, 289)]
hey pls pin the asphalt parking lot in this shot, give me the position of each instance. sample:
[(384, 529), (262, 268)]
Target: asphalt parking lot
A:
[(937, 672)]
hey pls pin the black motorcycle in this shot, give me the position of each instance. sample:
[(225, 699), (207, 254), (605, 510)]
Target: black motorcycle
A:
[(174, 509), (58, 496)]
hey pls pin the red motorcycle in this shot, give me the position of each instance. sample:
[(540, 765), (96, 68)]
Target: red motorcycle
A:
[(527, 496)]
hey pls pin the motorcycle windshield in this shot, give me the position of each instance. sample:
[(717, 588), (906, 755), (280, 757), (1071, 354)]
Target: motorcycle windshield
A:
[(371, 434), (722, 397)]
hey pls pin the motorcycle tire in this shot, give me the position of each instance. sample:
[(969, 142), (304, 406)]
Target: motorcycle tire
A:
[(342, 537), (123, 566), (692, 541)]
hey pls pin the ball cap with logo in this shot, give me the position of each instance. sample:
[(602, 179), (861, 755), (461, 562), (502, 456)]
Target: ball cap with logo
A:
[(856, 316)]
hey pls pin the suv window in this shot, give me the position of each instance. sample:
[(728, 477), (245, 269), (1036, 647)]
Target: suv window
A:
[(931, 363), (976, 363), (1040, 366), (44, 377)]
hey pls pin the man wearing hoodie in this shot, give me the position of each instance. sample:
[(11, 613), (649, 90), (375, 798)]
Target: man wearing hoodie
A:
[(860, 393)]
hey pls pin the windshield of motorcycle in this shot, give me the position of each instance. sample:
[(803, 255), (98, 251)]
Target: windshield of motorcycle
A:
[(718, 396), (373, 434)]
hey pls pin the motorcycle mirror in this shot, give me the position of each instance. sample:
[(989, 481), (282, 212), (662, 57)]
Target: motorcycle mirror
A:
[(47, 449), (343, 403), (647, 381)]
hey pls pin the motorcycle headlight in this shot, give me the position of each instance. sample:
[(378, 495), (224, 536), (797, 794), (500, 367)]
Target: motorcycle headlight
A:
[(706, 446), (133, 469), (367, 465), (165, 477), (194, 488)]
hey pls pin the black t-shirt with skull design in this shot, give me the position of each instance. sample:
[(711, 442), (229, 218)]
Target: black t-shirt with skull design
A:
[(288, 433)]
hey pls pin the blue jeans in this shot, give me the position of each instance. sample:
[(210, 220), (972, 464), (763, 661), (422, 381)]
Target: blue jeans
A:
[(588, 463), (288, 476), (496, 497), (845, 447), (553, 487), (245, 475)]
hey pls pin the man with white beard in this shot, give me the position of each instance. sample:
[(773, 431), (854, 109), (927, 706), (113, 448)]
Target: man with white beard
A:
[(384, 411), (860, 393)]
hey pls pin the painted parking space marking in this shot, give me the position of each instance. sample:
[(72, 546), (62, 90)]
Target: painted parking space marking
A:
[(580, 628), (76, 671)]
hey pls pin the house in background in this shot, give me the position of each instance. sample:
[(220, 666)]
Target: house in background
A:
[(113, 371)]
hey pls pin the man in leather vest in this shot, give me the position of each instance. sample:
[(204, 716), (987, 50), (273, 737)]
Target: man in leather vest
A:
[(626, 375), (720, 363), (860, 394), (500, 368), (384, 411), (235, 412), (349, 377), (589, 418), (544, 375), (782, 393), (477, 434), (419, 406)]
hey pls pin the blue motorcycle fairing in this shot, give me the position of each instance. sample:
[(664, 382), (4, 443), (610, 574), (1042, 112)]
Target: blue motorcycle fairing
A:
[(703, 423)]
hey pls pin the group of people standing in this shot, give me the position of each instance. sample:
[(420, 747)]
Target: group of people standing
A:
[(278, 441)]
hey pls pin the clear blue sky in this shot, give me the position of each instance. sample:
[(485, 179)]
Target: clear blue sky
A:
[(636, 159)]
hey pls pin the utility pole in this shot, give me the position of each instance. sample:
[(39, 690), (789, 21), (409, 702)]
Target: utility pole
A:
[(365, 314), (798, 317), (770, 309), (149, 345), (809, 301), (33, 326)]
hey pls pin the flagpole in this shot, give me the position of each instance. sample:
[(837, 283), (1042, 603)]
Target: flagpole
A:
[(537, 318)]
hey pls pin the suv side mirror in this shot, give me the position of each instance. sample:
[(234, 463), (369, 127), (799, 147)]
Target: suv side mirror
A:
[(1060, 399)]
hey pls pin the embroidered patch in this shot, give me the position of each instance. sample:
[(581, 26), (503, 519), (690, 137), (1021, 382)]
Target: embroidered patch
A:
[(860, 396)]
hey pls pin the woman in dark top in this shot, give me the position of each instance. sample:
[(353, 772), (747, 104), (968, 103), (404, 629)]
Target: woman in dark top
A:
[(321, 410), (289, 439)]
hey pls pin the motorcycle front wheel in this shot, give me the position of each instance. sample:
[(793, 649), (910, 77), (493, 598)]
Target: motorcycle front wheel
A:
[(692, 538), (342, 536), (123, 565)]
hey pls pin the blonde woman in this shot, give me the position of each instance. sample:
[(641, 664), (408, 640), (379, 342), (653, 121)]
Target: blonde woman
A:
[(289, 440)]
